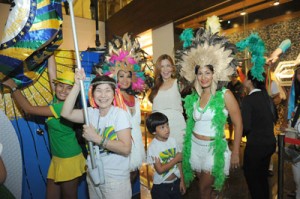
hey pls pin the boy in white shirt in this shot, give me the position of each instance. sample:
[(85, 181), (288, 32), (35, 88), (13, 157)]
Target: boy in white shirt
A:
[(165, 155)]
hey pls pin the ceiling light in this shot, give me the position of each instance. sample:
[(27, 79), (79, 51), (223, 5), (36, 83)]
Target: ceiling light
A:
[(288, 12), (276, 3), (243, 13), (236, 25), (256, 20)]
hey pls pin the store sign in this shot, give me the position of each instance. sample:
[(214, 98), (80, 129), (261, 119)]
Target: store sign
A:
[(284, 71)]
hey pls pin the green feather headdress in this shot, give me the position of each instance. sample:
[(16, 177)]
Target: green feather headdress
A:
[(256, 47)]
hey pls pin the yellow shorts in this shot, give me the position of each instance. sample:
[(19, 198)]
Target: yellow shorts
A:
[(65, 169)]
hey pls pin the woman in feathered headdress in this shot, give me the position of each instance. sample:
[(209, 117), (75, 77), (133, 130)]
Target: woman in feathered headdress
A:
[(259, 116), (124, 65), (207, 60)]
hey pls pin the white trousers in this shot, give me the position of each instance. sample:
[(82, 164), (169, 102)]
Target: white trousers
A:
[(111, 189)]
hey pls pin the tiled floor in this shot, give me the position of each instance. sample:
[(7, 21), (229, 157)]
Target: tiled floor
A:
[(235, 187)]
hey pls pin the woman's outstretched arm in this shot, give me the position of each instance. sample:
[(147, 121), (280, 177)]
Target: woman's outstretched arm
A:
[(68, 111), (24, 104)]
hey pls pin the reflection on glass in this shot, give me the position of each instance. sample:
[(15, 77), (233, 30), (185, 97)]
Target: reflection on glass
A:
[(87, 8)]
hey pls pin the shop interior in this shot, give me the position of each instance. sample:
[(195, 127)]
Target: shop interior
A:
[(157, 24)]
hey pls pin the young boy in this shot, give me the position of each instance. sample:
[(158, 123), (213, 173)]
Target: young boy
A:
[(165, 155)]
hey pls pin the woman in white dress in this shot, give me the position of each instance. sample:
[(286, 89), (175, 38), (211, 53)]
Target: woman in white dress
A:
[(165, 97), (124, 79), (123, 64)]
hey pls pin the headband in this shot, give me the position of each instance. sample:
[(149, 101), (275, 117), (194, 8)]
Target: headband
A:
[(102, 82)]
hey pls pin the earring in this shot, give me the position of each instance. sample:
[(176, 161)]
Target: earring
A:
[(173, 75)]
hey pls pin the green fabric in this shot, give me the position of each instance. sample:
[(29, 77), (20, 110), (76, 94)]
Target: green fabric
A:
[(219, 145), (5, 193), (63, 140), (190, 123)]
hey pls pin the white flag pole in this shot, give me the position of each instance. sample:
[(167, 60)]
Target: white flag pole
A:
[(90, 144)]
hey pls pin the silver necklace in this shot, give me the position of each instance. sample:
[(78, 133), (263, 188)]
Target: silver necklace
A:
[(201, 111)]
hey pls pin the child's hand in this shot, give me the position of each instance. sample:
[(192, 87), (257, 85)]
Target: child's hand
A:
[(182, 186), (157, 162)]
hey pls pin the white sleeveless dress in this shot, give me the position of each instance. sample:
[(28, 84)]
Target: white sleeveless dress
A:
[(169, 103), (137, 155)]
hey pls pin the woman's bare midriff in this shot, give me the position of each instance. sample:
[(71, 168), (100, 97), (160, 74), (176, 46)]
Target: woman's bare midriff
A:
[(202, 137)]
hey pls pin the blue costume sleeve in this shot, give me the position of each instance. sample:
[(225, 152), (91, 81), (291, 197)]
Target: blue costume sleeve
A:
[(285, 44), (291, 103)]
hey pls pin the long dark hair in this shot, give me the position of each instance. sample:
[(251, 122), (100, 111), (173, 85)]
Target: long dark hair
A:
[(128, 90), (220, 84)]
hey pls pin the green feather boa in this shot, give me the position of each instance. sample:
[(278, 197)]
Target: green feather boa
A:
[(219, 145), (190, 123)]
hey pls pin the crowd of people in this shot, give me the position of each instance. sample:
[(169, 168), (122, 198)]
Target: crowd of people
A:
[(182, 149)]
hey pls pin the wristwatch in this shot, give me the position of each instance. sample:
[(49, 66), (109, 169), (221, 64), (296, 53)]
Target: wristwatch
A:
[(14, 89)]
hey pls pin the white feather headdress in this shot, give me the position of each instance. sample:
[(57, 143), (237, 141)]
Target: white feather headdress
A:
[(206, 48)]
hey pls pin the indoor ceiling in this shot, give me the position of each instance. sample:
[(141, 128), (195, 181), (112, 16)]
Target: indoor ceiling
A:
[(254, 11), (182, 12)]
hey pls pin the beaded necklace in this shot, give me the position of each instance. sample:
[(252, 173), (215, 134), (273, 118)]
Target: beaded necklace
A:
[(200, 110)]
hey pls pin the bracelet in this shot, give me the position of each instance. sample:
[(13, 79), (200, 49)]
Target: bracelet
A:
[(105, 143), (13, 89), (102, 141)]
